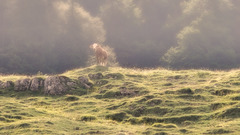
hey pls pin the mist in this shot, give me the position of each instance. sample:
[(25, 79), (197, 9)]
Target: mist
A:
[(52, 36)]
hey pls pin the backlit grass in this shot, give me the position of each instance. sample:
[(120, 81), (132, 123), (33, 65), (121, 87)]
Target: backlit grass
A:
[(153, 101)]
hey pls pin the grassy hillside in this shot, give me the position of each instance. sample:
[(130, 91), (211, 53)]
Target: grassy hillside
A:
[(129, 102)]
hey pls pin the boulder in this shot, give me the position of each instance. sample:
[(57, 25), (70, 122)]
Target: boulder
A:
[(84, 82), (95, 76), (6, 85), (22, 85), (37, 84), (56, 85), (1, 84)]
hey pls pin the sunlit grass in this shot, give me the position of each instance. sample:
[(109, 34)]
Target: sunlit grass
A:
[(167, 101)]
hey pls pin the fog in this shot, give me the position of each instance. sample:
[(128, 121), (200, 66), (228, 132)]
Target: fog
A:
[(52, 36)]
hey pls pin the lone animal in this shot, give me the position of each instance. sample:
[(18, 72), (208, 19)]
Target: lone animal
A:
[(100, 53)]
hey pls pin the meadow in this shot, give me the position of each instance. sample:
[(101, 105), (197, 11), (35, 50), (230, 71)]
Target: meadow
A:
[(128, 102)]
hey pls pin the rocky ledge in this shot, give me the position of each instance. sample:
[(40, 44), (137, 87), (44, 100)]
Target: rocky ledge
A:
[(55, 85)]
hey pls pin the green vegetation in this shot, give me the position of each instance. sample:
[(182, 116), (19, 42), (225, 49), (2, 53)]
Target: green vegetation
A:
[(130, 101)]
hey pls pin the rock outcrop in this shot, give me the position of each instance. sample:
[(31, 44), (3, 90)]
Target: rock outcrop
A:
[(22, 85), (6, 85), (56, 85), (84, 82), (95, 76), (37, 84)]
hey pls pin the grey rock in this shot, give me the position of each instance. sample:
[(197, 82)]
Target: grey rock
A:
[(84, 82), (56, 85), (6, 85), (95, 76), (22, 85), (37, 84)]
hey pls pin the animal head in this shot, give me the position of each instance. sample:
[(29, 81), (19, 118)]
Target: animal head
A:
[(94, 46)]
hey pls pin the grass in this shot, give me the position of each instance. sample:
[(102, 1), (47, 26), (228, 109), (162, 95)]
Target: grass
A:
[(128, 102)]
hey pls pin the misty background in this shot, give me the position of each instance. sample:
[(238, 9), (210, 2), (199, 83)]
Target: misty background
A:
[(52, 36)]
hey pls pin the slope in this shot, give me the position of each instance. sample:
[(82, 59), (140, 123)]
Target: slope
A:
[(129, 101)]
